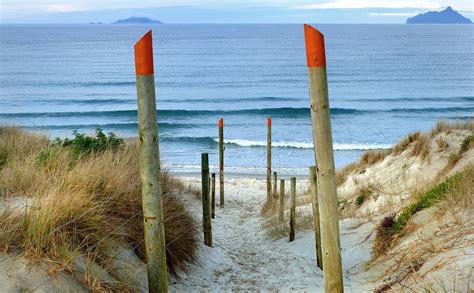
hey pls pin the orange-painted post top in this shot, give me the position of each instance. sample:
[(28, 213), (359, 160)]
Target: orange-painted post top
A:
[(315, 52), (269, 121), (144, 55), (221, 122)]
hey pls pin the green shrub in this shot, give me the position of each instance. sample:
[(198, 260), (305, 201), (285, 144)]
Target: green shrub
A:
[(44, 156), (83, 144)]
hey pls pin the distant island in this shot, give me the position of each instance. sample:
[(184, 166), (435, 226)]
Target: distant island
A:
[(138, 20), (448, 15)]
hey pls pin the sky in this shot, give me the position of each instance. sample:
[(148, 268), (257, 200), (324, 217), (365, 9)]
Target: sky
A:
[(219, 11)]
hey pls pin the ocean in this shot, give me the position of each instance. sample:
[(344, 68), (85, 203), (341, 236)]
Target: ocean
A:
[(385, 81)]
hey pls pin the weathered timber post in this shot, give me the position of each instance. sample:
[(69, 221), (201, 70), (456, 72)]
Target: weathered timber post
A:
[(221, 161), (206, 203), (154, 229), (324, 156), (292, 208), (275, 189), (213, 196), (281, 215), (269, 161), (317, 229)]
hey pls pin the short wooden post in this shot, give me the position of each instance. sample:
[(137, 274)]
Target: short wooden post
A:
[(274, 189), (154, 229), (292, 209), (314, 201), (269, 161), (206, 203), (213, 196), (324, 156), (221, 161), (281, 215)]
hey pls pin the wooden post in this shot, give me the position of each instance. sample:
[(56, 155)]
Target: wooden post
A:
[(213, 196), (281, 215), (153, 222), (206, 203), (274, 189), (269, 161), (292, 208), (314, 201), (324, 156), (221, 161)]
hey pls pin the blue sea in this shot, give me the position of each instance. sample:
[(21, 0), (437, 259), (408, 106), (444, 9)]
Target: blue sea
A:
[(385, 81)]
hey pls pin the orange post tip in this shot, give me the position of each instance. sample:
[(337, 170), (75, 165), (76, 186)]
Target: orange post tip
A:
[(269, 121), (221, 122), (144, 55), (315, 51)]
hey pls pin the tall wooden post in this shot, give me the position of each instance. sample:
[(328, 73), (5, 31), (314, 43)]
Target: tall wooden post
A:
[(269, 161), (281, 214), (206, 203), (213, 196), (292, 209), (154, 229), (324, 156), (314, 201), (221, 161), (275, 190)]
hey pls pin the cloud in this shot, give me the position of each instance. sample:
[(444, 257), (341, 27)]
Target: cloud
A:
[(393, 13), (361, 4), (64, 8)]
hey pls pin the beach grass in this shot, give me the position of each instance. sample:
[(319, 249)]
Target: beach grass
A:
[(455, 186), (80, 195)]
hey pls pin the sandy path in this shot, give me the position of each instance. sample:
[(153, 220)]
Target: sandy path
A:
[(243, 258)]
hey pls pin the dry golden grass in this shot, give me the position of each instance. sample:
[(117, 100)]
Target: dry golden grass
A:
[(79, 205), (401, 146), (421, 146), (276, 229), (448, 126)]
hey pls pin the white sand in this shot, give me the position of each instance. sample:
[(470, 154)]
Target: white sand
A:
[(244, 258)]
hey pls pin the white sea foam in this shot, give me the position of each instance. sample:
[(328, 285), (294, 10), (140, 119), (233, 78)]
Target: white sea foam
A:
[(303, 145)]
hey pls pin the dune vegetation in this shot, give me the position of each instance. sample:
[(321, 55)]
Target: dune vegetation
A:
[(80, 197)]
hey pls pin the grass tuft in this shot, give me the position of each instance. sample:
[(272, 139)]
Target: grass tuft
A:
[(384, 234), (77, 208), (421, 146), (428, 199), (448, 126), (466, 144)]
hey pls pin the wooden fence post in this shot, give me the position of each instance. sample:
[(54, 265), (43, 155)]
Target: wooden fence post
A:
[(314, 201), (206, 203), (221, 161), (275, 189), (154, 229), (292, 209), (281, 215), (213, 196), (269, 162), (324, 156)]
